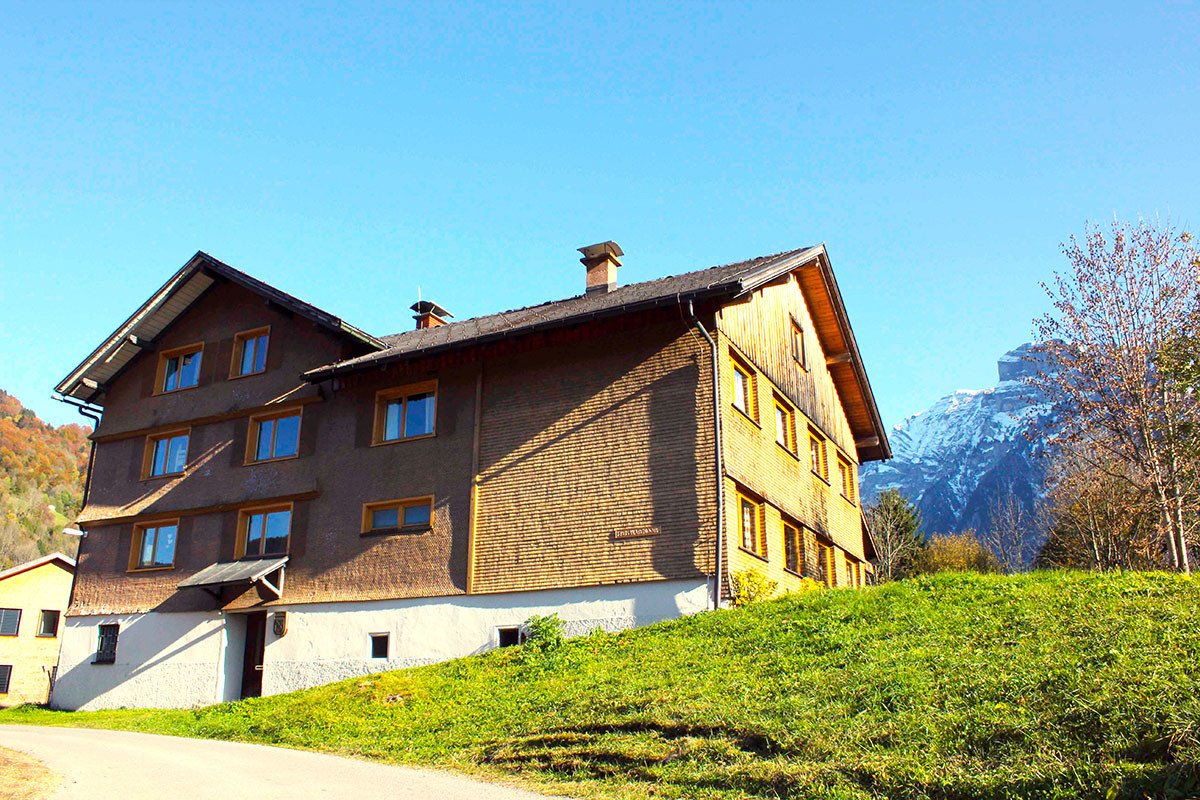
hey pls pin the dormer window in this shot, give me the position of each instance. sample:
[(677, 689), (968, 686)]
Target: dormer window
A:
[(250, 352), (179, 368)]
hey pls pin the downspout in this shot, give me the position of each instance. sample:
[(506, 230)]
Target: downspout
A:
[(720, 466), (93, 414)]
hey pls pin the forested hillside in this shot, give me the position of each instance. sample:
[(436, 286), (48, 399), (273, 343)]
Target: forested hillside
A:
[(41, 483)]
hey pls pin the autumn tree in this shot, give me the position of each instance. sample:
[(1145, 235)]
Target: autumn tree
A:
[(1012, 534), (954, 552), (1096, 518), (895, 526), (1130, 292)]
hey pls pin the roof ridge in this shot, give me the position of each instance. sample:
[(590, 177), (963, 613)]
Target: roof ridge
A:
[(388, 339)]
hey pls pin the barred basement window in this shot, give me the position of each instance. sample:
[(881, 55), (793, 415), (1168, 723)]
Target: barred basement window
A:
[(379, 645), (10, 621), (510, 636), (5, 677), (106, 649)]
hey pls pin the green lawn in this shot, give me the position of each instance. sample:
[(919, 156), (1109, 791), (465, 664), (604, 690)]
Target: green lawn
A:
[(951, 686)]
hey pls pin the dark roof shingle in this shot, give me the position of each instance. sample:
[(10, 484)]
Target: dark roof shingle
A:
[(730, 278)]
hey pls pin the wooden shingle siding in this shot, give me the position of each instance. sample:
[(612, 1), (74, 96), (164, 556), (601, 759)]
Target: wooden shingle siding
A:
[(757, 331), (585, 444), (759, 325)]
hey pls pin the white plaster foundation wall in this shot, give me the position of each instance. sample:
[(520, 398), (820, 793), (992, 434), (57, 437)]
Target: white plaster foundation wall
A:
[(163, 661), (182, 660), (330, 641)]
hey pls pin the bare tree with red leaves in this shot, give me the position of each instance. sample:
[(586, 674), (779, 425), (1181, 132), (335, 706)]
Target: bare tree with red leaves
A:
[(1131, 291)]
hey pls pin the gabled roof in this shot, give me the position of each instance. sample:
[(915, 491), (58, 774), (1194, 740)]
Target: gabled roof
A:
[(817, 282), (88, 380), (728, 280), (65, 560)]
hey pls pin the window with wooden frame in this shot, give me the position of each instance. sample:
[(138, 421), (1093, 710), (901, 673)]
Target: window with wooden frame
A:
[(48, 624), (793, 548), (405, 412), (264, 531), (798, 344), (751, 535), (154, 545), (785, 425), (166, 454), (274, 436), (10, 621), (816, 453), (388, 515), (179, 368), (106, 645), (250, 352), (846, 478), (743, 395)]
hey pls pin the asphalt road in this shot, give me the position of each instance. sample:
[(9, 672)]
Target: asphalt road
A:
[(99, 765)]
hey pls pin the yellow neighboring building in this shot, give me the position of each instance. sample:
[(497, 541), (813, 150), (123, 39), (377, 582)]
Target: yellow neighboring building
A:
[(33, 597)]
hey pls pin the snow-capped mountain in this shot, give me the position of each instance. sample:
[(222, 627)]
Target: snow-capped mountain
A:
[(959, 458)]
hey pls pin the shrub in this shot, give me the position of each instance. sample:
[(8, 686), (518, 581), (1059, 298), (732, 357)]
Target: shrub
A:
[(751, 586), (954, 552)]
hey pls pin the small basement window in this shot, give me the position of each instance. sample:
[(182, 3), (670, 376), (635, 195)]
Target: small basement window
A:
[(511, 636), (379, 645)]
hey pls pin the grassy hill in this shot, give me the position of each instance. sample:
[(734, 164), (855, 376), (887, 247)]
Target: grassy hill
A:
[(41, 483), (950, 686)]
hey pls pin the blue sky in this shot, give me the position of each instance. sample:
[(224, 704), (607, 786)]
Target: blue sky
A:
[(349, 154)]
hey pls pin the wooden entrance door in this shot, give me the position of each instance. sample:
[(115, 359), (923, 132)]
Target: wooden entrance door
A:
[(252, 661)]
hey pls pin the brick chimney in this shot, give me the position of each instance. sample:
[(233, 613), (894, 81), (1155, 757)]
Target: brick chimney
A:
[(601, 261), (429, 314)]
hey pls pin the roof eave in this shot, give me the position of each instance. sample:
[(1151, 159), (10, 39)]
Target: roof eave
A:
[(202, 262), (334, 370)]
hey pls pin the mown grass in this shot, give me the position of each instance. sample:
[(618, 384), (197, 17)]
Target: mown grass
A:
[(1049, 685)]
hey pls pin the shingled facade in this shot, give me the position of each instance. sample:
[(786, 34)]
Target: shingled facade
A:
[(279, 499)]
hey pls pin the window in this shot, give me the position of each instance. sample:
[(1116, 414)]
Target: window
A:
[(743, 389), (264, 531), (10, 621), (48, 624), (846, 478), (816, 452), (785, 426), (179, 368), (793, 548), (250, 352), (5, 677), (106, 648), (750, 525), (798, 344), (407, 412), (273, 437), (154, 545), (166, 454), (414, 512), (510, 636), (825, 564), (379, 645)]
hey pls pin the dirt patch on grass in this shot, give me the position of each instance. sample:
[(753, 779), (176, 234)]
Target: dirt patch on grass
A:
[(23, 777)]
